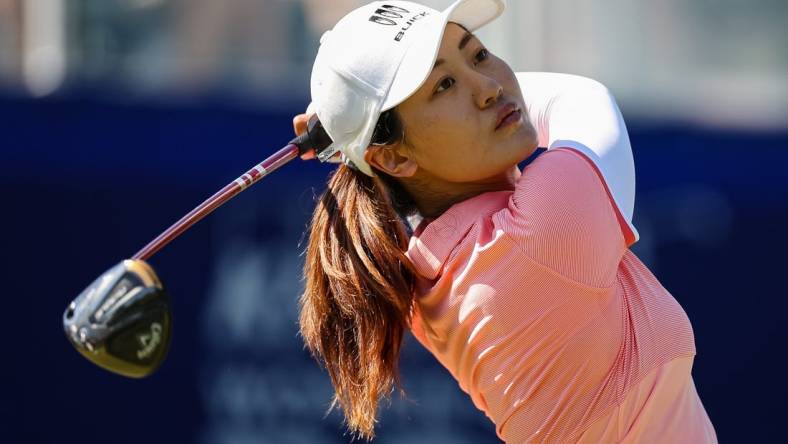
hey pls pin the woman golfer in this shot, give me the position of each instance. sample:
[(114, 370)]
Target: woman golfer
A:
[(521, 283)]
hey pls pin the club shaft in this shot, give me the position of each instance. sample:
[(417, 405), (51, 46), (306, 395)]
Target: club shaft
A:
[(231, 190)]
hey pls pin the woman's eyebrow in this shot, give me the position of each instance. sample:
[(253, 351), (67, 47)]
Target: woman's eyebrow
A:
[(465, 39), (463, 42)]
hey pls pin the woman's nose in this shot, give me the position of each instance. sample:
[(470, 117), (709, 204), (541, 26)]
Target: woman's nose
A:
[(488, 92)]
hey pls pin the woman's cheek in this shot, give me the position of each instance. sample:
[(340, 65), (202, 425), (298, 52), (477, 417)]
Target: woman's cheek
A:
[(438, 129)]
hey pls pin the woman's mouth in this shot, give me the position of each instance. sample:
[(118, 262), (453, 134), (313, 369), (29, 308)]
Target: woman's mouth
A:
[(509, 115)]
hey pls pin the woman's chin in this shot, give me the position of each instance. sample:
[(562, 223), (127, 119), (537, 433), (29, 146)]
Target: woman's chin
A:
[(524, 135), (525, 148)]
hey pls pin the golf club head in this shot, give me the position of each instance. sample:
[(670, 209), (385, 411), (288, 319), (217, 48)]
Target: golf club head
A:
[(122, 321)]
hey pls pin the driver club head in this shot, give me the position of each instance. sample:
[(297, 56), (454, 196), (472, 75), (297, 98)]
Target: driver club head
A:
[(122, 321)]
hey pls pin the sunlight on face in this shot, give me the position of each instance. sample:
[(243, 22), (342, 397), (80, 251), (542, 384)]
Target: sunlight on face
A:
[(451, 121)]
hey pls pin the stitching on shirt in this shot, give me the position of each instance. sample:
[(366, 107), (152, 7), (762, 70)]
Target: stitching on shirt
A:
[(555, 272), (455, 251), (474, 226)]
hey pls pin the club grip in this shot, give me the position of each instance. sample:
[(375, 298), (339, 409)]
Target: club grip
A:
[(315, 138)]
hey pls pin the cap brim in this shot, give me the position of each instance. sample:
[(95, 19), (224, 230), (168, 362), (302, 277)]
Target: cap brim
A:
[(418, 62)]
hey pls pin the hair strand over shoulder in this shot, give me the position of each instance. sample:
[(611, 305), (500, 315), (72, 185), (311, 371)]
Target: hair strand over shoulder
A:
[(357, 296)]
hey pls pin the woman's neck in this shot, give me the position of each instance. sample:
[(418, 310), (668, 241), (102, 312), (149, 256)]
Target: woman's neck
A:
[(434, 196)]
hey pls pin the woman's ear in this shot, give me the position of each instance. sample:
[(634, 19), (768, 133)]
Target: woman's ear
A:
[(388, 159)]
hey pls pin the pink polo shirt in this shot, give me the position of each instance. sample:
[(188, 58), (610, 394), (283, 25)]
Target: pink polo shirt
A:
[(533, 301)]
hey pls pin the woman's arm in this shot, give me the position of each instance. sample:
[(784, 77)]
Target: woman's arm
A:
[(575, 112)]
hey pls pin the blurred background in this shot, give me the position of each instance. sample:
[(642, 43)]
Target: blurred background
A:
[(119, 116)]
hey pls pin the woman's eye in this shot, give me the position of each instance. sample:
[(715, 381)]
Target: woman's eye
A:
[(482, 55), (445, 84)]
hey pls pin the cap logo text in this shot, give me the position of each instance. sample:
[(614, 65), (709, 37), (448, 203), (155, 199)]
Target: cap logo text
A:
[(408, 24), (389, 15)]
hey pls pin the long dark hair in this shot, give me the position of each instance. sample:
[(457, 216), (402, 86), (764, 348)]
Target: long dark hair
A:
[(359, 284)]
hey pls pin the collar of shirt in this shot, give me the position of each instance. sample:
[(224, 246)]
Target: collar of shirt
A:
[(433, 241)]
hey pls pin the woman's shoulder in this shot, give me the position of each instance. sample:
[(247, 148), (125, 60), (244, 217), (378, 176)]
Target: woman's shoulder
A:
[(562, 216), (556, 179)]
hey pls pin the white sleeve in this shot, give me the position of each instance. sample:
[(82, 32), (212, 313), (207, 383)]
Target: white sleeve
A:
[(575, 112)]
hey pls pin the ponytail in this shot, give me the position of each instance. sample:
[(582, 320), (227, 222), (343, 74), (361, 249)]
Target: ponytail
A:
[(358, 292)]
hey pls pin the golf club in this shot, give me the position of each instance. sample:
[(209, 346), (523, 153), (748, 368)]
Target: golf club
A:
[(122, 321)]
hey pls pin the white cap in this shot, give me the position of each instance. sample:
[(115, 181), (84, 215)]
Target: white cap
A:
[(376, 57)]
